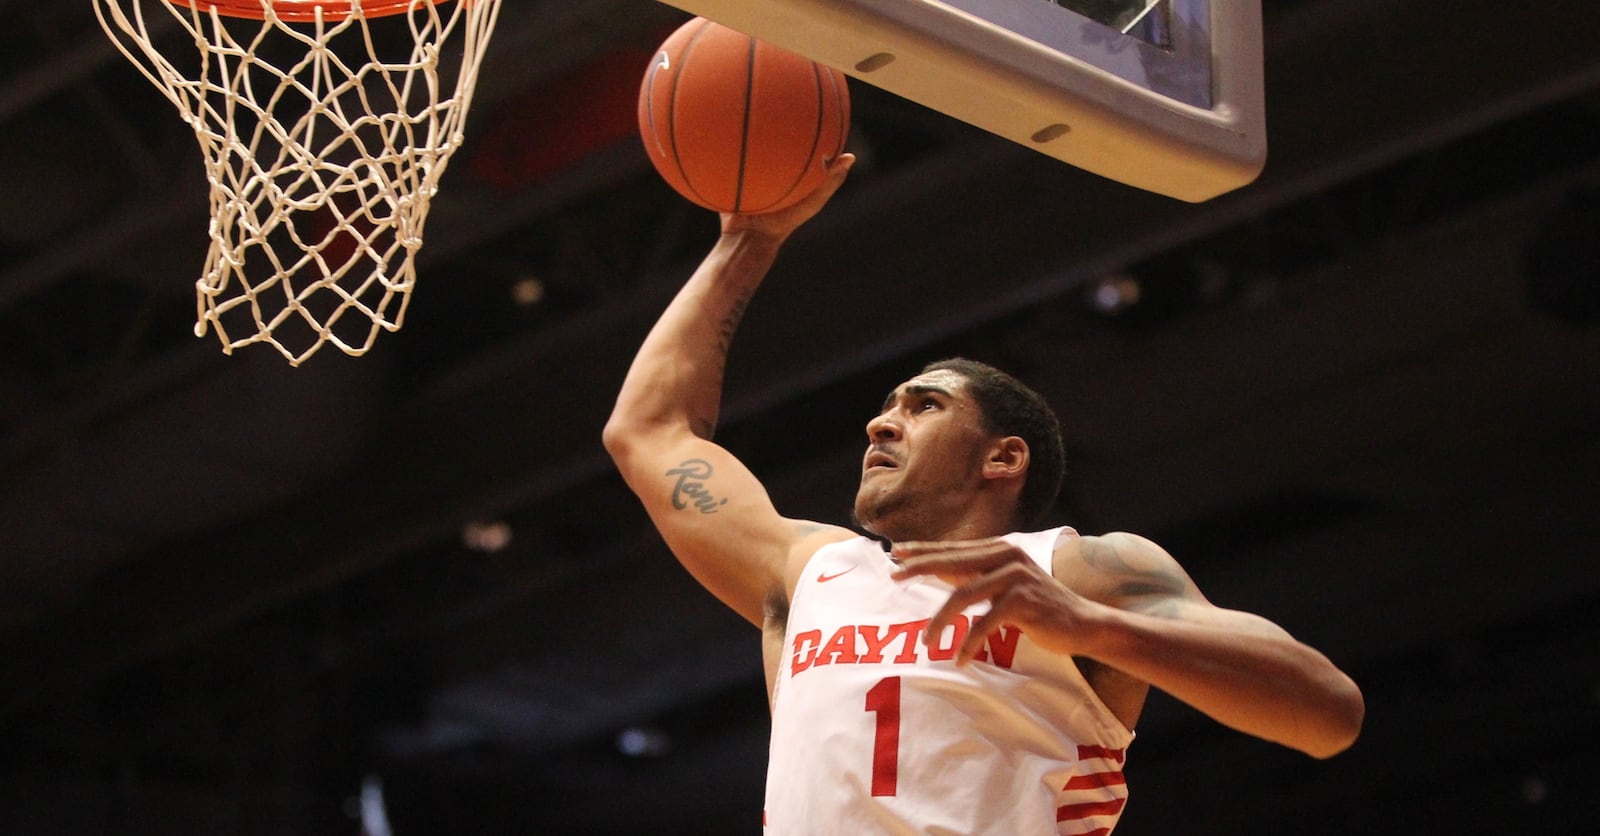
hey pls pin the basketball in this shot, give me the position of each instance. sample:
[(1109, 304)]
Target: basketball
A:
[(735, 124)]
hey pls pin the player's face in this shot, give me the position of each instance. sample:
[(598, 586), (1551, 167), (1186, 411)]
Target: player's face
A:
[(924, 453)]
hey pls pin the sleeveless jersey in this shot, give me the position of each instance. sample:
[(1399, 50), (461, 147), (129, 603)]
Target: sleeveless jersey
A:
[(874, 731)]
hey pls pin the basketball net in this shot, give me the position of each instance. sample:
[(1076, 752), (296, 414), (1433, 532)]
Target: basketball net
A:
[(325, 125)]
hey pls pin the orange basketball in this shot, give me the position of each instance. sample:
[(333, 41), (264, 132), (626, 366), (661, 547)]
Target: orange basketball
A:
[(738, 125)]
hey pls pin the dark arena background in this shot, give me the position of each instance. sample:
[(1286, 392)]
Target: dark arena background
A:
[(406, 593)]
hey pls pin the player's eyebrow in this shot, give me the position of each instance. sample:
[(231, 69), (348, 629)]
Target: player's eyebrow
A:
[(915, 389)]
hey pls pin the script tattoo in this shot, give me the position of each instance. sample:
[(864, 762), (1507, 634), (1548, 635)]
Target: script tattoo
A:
[(691, 488)]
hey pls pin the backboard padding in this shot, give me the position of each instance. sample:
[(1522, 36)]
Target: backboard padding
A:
[(1063, 105)]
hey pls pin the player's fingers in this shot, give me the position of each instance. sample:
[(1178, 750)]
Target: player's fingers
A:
[(785, 221), (838, 169), (983, 588), (977, 636), (840, 166)]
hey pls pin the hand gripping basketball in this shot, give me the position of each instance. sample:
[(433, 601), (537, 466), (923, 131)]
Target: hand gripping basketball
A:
[(738, 125)]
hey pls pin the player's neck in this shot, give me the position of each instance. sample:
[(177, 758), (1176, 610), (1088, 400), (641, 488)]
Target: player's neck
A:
[(969, 527)]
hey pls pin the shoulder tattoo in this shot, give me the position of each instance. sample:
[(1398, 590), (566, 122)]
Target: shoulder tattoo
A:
[(1132, 575), (806, 528)]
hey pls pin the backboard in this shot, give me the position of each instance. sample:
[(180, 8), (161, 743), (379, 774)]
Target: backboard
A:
[(1163, 95)]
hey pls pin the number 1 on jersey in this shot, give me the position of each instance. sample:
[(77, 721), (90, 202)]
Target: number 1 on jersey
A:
[(883, 699)]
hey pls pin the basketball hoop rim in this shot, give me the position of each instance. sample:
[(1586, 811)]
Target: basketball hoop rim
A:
[(305, 11)]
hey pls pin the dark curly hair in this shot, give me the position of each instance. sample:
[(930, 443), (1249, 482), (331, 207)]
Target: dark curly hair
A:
[(1009, 407)]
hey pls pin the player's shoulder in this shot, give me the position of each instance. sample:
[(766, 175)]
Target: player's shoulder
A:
[(812, 531), (810, 537), (1116, 549), (1113, 550), (1114, 566)]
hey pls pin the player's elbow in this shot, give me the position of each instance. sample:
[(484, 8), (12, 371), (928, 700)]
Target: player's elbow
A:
[(633, 441), (1341, 719), (621, 436)]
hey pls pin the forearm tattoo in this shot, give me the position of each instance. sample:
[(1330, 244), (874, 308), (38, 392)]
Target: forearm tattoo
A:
[(690, 491), (706, 425), (730, 323)]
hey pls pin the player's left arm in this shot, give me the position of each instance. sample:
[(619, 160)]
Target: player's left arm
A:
[(1130, 606)]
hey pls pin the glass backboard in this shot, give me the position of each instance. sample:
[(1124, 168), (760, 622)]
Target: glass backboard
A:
[(1163, 95)]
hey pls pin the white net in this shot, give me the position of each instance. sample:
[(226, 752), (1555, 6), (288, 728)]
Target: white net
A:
[(325, 129)]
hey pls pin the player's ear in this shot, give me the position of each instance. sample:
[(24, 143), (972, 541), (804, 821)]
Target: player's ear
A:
[(1007, 459)]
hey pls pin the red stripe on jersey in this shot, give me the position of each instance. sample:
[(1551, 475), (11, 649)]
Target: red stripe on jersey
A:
[(1091, 752), (1095, 781), (1096, 794), (1067, 812)]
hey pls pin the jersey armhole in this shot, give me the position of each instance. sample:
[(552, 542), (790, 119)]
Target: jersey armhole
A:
[(1051, 540)]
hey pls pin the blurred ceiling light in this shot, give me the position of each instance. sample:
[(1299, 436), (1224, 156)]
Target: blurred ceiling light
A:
[(487, 537), (1114, 294), (527, 291)]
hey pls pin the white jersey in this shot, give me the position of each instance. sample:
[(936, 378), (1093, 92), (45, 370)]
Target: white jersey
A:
[(874, 731)]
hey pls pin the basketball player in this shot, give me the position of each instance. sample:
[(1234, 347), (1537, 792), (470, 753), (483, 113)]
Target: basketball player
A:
[(970, 678)]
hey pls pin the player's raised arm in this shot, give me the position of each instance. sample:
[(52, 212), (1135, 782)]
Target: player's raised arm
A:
[(710, 509)]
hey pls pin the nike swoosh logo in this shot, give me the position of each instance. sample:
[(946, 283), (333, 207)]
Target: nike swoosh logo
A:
[(825, 577)]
